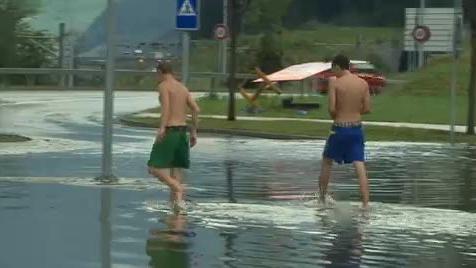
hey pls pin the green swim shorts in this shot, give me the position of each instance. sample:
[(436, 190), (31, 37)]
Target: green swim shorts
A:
[(173, 151)]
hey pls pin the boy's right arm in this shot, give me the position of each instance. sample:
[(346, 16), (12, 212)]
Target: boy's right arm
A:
[(192, 104), (332, 97), (165, 111), (366, 100)]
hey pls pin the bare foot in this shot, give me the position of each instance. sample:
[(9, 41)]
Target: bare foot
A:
[(179, 206), (365, 206)]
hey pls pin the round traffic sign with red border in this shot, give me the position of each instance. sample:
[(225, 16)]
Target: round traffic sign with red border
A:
[(221, 31), (421, 34)]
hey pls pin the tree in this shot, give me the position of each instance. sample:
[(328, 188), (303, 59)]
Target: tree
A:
[(34, 48), (469, 7), (354, 13), (15, 50), (264, 15), (237, 9), (270, 53)]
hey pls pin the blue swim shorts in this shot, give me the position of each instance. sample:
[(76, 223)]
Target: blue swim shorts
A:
[(346, 144)]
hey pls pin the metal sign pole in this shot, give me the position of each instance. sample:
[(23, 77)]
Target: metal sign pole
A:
[(185, 56), (224, 42), (187, 19), (108, 93), (421, 51), (453, 97), (457, 36)]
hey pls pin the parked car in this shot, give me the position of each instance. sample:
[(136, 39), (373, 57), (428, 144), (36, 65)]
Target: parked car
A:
[(363, 69)]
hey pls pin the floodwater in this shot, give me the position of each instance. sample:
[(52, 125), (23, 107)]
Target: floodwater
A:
[(250, 200)]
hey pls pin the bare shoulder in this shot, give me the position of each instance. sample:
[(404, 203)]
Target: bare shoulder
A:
[(362, 82), (356, 78), (334, 82), (185, 89), (164, 86)]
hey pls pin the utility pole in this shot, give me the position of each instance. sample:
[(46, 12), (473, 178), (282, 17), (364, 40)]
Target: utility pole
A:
[(457, 40), (232, 75), (224, 42), (236, 10), (109, 93), (421, 21)]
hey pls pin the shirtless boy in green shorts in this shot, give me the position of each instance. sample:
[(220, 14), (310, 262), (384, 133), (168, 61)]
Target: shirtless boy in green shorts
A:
[(170, 153)]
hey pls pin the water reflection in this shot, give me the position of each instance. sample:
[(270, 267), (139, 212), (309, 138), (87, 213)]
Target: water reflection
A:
[(229, 166), (169, 246), (468, 173), (230, 251), (347, 245), (106, 232)]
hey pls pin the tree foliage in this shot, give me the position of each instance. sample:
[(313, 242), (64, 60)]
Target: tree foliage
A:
[(16, 49), (265, 15), (270, 53), (354, 12)]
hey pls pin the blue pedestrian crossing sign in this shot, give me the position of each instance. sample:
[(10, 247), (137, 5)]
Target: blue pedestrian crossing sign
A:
[(188, 15)]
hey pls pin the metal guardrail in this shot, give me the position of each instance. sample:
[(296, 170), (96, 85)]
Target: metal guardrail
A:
[(56, 71)]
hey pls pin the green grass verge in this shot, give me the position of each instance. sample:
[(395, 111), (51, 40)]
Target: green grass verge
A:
[(435, 78), (298, 45), (296, 129), (13, 138), (387, 107), (424, 98)]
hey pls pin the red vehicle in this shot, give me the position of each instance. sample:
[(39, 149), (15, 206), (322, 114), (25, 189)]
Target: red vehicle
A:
[(363, 69)]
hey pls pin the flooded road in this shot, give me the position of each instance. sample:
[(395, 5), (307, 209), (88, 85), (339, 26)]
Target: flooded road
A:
[(250, 200)]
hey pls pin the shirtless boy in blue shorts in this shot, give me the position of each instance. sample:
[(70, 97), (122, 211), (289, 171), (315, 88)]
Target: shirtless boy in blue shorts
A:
[(349, 99)]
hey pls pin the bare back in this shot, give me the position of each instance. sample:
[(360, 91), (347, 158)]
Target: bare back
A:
[(178, 102), (350, 98)]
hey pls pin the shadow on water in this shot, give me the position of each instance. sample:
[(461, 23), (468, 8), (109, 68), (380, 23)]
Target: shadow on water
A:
[(468, 175), (106, 232), (170, 245), (347, 245), (229, 165)]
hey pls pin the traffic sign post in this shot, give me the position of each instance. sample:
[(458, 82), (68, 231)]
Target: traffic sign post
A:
[(187, 19), (185, 57), (457, 46), (421, 34), (221, 31), (107, 175), (188, 15), (224, 42), (421, 21)]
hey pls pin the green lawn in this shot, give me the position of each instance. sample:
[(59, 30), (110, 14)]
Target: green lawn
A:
[(387, 107), (309, 129), (338, 34), (299, 45), (416, 109), (271, 105), (435, 78), (12, 138), (423, 98)]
